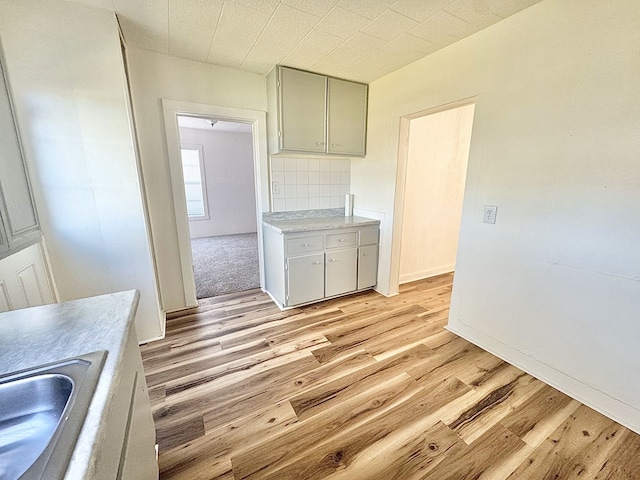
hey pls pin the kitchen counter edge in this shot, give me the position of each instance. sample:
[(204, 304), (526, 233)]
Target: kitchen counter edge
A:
[(318, 223), (49, 333)]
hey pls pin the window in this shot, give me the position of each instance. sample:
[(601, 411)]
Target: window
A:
[(194, 181)]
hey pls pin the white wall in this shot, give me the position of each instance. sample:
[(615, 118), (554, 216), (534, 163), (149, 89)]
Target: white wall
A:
[(231, 192), (553, 286), (436, 170), (154, 77), (65, 66)]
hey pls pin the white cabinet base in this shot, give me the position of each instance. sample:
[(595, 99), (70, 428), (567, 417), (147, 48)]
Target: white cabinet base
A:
[(306, 267), (128, 451)]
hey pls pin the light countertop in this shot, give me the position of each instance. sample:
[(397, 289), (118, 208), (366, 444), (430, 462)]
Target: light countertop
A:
[(45, 334), (317, 223)]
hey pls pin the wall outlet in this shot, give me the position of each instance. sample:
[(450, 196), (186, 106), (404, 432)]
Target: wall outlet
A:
[(275, 187), (489, 213)]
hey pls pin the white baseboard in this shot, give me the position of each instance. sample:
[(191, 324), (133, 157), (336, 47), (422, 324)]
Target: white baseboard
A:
[(431, 272), (150, 340), (607, 405)]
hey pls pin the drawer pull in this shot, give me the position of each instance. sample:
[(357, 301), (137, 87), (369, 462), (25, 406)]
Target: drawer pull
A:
[(341, 240), (306, 244)]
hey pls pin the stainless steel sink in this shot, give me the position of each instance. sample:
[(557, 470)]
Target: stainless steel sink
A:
[(41, 413)]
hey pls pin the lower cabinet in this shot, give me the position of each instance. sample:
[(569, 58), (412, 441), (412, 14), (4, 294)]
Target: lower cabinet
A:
[(128, 451), (138, 455), (305, 267)]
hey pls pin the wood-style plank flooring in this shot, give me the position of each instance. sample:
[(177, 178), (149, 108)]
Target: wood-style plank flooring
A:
[(361, 387)]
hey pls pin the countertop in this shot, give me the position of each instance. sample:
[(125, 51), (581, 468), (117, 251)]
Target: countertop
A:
[(45, 334), (317, 223)]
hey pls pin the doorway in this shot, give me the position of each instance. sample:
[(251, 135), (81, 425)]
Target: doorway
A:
[(172, 109), (219, 184), (437, 152)]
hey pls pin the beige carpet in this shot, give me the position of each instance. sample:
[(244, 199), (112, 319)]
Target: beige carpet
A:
[(225, 264)]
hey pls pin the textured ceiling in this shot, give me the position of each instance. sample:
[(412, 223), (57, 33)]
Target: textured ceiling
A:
[(355, 39)]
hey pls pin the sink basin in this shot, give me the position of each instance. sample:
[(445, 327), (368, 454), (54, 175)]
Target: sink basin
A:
[(41, 413)]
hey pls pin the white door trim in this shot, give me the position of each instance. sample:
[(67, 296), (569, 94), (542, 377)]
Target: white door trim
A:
[(401, 181), (258, 120)]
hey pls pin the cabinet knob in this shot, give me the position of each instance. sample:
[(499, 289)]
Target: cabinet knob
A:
[(341, 240), (319, 143), (306, 244), (316, 263), (365, 254), (333, 260), (334, 144)]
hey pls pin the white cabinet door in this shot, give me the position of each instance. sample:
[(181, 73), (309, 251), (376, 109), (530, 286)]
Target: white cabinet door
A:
[(24, 280), (305, 279), (302, 110), (367, 266), (341, 272), (18, 212), (347, 117)]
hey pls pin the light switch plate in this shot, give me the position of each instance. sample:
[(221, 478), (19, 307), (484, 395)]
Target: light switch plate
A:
[(489, 213)]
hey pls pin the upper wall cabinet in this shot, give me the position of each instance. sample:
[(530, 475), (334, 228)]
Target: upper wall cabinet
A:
[(18, 220), (312, 113), (347, 113), (302, 110)]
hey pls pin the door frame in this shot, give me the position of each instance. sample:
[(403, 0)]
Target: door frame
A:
[(401, 181), (258, 120)]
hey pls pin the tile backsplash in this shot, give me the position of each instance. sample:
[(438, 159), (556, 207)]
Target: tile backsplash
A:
[(309, 183)]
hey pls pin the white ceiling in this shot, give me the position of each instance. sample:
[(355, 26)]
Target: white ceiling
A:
[(201, 123), (355, 39)]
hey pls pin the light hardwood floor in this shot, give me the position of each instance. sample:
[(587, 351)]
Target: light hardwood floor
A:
[(361, 387)]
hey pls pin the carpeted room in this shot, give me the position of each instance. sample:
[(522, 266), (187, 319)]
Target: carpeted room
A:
[(220, 192), (225, 264)]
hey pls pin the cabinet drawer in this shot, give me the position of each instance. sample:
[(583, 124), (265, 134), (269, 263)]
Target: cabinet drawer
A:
[(369, 236), (341, 240), (297, 246)]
